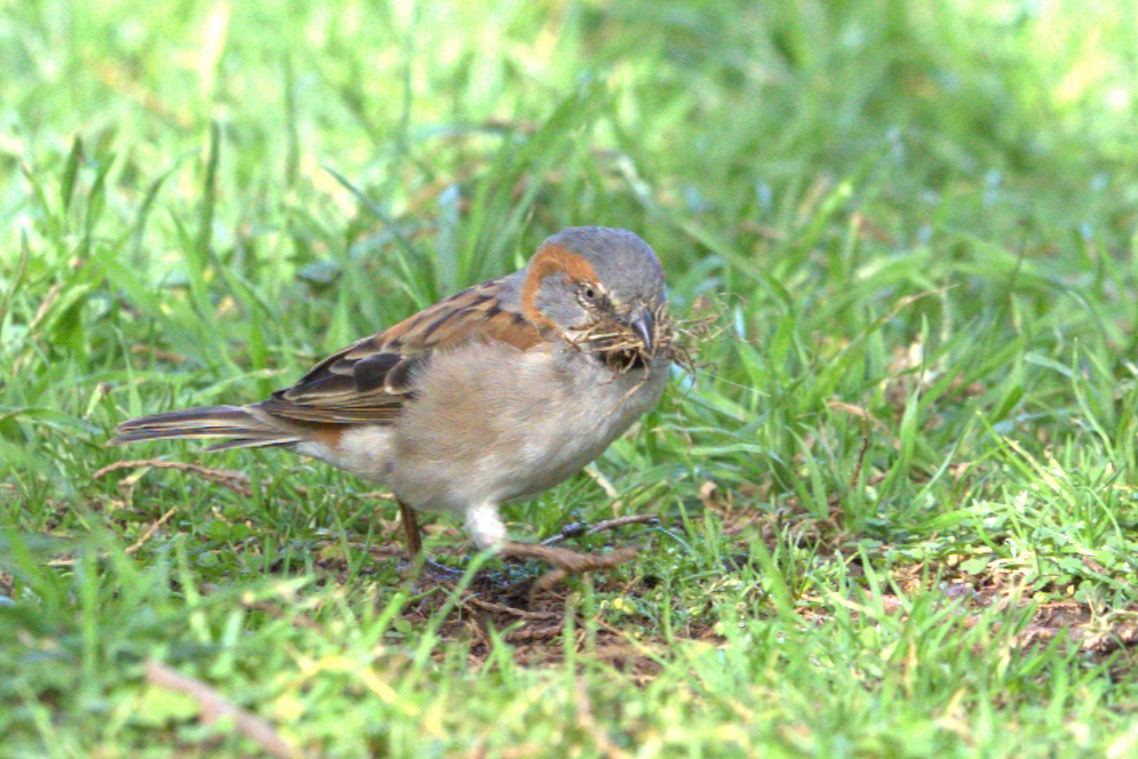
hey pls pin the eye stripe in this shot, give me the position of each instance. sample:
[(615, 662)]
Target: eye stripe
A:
[(551, 258)]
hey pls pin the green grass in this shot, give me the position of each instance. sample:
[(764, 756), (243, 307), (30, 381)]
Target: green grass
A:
[(898, 514)]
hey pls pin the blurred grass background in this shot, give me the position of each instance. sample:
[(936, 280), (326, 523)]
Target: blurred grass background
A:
[(919, 217)]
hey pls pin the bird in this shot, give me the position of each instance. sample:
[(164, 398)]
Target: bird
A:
[(494, 394)]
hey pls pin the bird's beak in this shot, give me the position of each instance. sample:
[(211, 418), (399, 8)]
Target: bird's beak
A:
[(643, 324)]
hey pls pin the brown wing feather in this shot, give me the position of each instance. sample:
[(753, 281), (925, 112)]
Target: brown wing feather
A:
[(369, 380)]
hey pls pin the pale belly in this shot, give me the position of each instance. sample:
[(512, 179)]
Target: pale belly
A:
[(515, 436), (508, 437)]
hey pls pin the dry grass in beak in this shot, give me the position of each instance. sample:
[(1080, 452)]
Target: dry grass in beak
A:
[(681, 343), (673, 342)]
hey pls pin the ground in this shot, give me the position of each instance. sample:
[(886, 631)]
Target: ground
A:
[(893, 493)]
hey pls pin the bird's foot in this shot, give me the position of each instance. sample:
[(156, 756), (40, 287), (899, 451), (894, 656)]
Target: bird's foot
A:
[(564, 561)]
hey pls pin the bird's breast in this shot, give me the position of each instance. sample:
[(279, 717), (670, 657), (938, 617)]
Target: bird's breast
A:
[(491, 423)]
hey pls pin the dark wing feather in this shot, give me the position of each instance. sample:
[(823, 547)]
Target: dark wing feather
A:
[(370, 380)]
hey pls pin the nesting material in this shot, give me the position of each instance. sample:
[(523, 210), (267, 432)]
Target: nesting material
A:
[(674, 341)]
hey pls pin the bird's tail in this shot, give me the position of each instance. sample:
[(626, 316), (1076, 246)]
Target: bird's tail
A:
[(244, 426)]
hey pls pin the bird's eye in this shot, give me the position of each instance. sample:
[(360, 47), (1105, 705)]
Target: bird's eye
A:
[(588, 292)]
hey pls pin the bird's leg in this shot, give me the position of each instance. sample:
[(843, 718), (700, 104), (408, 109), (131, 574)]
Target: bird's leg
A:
[(414, 539), (410, 531)]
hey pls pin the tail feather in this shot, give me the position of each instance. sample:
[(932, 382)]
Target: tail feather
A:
[(243, 425)]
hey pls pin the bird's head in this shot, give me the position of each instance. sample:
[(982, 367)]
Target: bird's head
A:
[(602, 289)]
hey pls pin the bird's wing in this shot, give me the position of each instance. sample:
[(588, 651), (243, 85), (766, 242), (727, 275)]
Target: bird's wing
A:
[(370, 380)]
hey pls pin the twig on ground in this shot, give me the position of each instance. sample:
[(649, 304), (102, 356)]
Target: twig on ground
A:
[(532, 634), (502, 608), (214, 706), (238, 482), (580, 528), (147, 534)]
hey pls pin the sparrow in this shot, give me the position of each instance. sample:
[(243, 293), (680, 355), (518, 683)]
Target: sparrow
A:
[(494, 394)]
